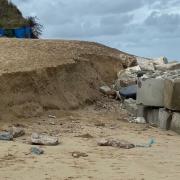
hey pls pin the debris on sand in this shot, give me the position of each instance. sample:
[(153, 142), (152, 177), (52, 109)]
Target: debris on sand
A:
[(116, 143), (52, 116), (6, 136), (87, 136), (78, 154), (37, 150), (17, 132), (43, 139)]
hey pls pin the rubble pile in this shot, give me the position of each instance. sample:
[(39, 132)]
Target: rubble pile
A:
[(156, 85)]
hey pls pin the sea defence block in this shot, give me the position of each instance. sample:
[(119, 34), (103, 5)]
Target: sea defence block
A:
[(165, 118), (172, 94), (152, 116), (150, 92), (175, 123)]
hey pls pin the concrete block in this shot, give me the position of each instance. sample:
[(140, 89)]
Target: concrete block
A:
[(165, 118), (175, 123), (172, 94), (141, 111), (152, 116), (130, 105), (150, 92)]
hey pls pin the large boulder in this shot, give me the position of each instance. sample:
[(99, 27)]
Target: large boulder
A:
[(172, 94)]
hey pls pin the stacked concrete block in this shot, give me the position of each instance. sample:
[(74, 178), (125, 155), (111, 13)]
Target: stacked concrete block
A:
[(150, 92), (172, 94), (175, 123), (164, 119), (152, 116)]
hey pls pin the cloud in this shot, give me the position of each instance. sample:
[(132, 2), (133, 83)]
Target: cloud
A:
[(142, 27)]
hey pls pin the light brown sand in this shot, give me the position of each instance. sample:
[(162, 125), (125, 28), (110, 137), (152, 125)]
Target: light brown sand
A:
[(161, 161)]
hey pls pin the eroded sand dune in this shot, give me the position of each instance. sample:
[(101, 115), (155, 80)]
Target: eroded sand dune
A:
[(38, 75)]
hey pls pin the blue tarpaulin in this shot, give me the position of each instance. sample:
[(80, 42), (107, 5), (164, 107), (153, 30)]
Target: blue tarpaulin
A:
[(1, 32), (20, 32)]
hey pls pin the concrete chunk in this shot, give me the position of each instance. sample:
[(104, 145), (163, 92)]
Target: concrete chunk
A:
[(150, 92), (172, 94)]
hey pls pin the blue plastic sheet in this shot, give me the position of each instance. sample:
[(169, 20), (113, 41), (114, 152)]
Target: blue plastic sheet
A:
[(1, 32), (20, 32)]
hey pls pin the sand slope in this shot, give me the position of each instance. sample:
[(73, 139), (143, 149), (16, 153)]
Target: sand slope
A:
[(38, 75)]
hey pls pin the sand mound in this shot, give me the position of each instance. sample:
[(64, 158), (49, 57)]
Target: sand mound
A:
[(40, 75)]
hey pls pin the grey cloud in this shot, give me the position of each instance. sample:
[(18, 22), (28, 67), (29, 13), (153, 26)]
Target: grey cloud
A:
[(142, 27)]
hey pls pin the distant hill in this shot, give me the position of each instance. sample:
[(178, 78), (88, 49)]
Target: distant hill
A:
[(11, 17)]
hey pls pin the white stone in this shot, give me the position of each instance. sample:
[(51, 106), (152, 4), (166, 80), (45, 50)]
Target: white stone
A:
[(150, 92), (160, 61), (41, 139), (145, 64)]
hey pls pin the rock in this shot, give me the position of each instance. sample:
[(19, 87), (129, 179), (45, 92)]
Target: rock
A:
[(150, 92), (116, 143), (175, 123), (140, 120), (107, 90), (87, 136), (172, 94), (100, 124), (165, 118), (129, 91), (160, 61), (37, 150), (17, 132), (78, 154), (6, 136), (145, 64), (127, 77), (130, 106), (52, 116), (41, 139), (170, 66)]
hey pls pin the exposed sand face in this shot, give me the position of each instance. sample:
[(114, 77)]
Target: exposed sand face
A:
[(161, 161), (38, 75)]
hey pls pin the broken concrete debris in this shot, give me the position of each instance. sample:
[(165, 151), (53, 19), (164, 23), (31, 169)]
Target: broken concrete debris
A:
[(6, 136), (78, 154), (130, 105), (116, 143), (37, 150), (16, 132), (43, 139)]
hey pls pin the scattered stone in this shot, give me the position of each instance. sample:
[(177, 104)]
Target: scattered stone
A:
[(42, 139), (100, 124), (160, 61), (52, 123), (139, 120), (6, 136), (116, 143), (37, 150), (107, 91), (87, 135), (52, 116), (17, 132), (170, 66), (78, 154), (145, 64)]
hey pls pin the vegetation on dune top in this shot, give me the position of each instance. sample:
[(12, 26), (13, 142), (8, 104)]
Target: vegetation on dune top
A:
[(11, 17)]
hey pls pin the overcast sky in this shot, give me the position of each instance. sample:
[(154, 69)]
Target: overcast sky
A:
[(148, 28)]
